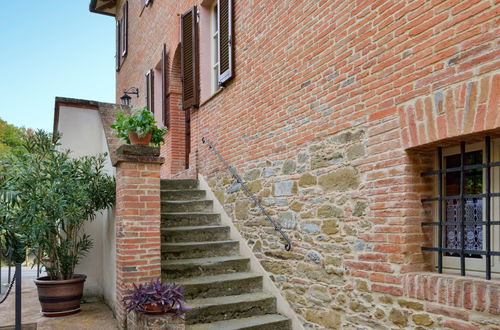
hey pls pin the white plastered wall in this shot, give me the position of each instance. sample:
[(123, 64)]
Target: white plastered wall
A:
[(83, 134)]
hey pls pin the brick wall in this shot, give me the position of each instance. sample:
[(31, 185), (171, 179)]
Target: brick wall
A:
[(335, 109), (138, 245)]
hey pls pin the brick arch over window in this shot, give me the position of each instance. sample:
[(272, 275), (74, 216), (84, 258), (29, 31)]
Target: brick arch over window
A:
[(466, 108), (174, 149)]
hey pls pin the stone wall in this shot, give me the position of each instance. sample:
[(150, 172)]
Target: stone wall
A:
[(334, 110)]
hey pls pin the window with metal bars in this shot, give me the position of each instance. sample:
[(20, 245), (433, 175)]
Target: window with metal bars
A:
[(467, 208)]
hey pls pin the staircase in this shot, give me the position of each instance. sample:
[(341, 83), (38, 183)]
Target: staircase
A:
[(198, 254)]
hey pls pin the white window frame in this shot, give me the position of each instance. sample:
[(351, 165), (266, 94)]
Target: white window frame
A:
[(214, 47), (474, 266)]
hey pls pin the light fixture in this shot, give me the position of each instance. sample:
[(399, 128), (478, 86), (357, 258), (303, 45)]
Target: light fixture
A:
[(125, 98)]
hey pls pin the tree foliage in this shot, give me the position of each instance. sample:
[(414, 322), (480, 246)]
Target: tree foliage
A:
[(51, 197), (11, 138)]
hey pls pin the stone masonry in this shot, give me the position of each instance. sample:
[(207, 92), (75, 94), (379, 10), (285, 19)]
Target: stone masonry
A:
[(335, 109)]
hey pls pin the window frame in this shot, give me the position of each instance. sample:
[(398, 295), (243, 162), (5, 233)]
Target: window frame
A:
[(124, 31), (465, 265), (214, 47)]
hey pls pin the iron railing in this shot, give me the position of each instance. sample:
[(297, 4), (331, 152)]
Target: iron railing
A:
[(238, 179), (11, 281)]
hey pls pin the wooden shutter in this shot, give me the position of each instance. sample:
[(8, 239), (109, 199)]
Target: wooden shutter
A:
[(189, 59), (225, 40), (124, 29), (118, 36), (164, 87), (150, 91)]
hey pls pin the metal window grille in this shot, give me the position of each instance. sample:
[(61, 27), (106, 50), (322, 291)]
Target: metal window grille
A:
[(463, 222)]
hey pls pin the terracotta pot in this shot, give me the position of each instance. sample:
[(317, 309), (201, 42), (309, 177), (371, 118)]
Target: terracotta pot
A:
[(60, 297), (134, 139), (156, 309)]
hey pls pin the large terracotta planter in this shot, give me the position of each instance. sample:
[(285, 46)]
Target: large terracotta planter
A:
[(144, 141), (60, 297)]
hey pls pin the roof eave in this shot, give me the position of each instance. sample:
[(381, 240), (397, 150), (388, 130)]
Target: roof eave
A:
[(92, 9)]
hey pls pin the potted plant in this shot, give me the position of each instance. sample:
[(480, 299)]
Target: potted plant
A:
[(138, 128), (55, 196), (165, 300)]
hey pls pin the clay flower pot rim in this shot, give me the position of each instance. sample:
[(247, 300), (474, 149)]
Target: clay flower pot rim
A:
[(46, 280), (135, 139)]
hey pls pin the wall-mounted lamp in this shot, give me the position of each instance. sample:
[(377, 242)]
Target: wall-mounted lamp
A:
[(126, 98)]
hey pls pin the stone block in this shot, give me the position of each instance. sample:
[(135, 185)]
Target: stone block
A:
[(141, 321)]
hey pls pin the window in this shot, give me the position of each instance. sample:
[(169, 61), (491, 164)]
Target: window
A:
[(214, 26), (124, 30), (121, 37), (165, 97), (467, 221), (117, 54), (225, 40), (189, 59), (150, 90)]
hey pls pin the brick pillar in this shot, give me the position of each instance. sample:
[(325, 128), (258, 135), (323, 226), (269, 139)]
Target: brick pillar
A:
[(138, 247)]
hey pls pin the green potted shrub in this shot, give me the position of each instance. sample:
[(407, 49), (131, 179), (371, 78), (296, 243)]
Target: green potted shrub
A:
[(138, 128), (55, 195)]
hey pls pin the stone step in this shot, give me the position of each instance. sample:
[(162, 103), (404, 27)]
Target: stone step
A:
[(170, 219), (183, 268), (221, 285), (207, 310), (191, 250), (194, 234), (187, 206), (176, 195), (181, 184), (260, 322)]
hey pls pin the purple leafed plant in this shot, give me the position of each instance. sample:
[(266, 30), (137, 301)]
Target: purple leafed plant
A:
[(156, 293)]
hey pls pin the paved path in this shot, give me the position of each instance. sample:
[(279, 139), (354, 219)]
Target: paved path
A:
[(93, 315)]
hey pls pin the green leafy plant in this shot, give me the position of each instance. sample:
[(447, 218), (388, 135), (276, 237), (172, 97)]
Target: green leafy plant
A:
[(49, 196), (141, 121)]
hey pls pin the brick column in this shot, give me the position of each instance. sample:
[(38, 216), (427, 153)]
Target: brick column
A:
[(138, 246)]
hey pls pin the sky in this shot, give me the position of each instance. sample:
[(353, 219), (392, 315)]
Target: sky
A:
[(52, 48)]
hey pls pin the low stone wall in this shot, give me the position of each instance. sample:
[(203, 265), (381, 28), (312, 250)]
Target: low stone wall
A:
[(141, 321)]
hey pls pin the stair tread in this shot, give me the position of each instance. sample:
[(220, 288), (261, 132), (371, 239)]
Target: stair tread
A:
[(200, 243), (242, 323), (203, 261), (185, 228), (206, 279), (229, 300)]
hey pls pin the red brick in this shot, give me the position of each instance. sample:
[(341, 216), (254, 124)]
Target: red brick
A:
[(459, 325)]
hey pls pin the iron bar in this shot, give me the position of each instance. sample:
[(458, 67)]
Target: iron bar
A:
[(466, 196), (462, 207), (238, 179), (458, 169), (456, 223), (488, 207), (18, 295), (440, 211), (478, 252)]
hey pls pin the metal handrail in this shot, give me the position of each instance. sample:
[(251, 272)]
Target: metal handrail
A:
[(238, 179)]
